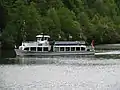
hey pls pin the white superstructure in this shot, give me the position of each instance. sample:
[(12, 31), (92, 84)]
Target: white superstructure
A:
[(42, 46)]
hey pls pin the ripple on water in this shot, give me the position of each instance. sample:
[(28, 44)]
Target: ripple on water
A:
[(61, 74)]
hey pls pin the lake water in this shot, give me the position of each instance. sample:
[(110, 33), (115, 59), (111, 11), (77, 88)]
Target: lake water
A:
[(60, 73)]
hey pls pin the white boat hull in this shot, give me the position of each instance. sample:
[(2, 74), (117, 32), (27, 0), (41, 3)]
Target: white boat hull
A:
[(31, 53)]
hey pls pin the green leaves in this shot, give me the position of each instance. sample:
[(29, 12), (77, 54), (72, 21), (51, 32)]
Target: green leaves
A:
[(69, 24), (25, 20), (81, 19)]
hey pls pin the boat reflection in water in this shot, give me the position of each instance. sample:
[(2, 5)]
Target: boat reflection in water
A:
[(70, 60), (50, 59)]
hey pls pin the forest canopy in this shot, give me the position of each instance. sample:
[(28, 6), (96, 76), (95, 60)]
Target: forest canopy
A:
[(82, 19)]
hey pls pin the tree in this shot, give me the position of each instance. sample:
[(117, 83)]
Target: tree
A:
[(69, 25), (25, 20)]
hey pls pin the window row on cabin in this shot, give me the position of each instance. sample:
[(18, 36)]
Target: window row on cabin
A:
[(36, 49), (57, 49)]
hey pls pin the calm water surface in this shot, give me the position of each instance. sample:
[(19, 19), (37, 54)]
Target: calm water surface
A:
[(60, 73)]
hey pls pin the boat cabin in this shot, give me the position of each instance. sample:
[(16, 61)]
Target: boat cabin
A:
[(41, 45), (69, 46)]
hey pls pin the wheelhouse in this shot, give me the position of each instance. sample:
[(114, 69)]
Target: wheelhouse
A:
[(42, 37)]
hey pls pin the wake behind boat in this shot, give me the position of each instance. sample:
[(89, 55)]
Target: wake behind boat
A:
[(108, 53), (43, 47)]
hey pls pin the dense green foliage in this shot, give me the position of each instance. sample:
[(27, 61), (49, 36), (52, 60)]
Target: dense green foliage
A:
[(82, 19)]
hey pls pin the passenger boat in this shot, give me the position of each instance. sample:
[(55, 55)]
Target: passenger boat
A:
[(43, 47)]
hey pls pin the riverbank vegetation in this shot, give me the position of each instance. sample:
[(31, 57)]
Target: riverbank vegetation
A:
[(82, 19)]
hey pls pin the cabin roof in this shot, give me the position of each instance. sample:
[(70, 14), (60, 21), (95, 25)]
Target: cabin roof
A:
[(69, 42), (43, 36)]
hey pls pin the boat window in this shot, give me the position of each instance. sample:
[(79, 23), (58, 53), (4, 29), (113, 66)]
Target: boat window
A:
[(67, 48), (77, 48), (82, 48), (88, 49), (43, 38), (33, 48), (61, 48), (46, 38), (72, 48), (45, 49), (39, 48), (26, 48), (39, 44)]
